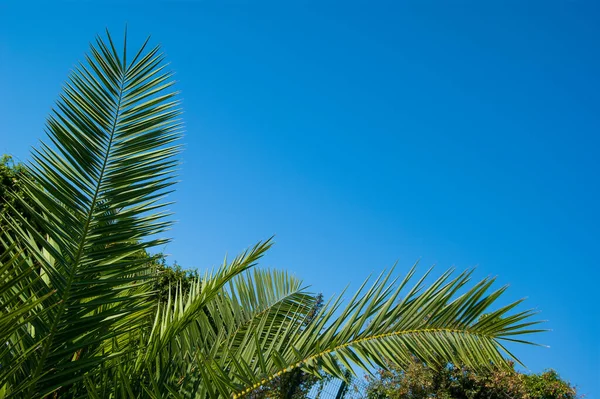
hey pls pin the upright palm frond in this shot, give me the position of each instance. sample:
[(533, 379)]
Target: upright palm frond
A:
[(97, 190)]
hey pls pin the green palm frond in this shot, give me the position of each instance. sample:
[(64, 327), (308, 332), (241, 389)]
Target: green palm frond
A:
[(253, 301), (260, 296), (173, 317), (19, 284), (433, 323), (164, 350), (97, 190)]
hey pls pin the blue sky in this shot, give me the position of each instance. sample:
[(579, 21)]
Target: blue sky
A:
[(455, 133)]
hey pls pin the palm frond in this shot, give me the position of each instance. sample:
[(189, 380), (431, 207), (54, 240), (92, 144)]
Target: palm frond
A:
[(250, 302), (97, 191), (433, 323), (179, 312)]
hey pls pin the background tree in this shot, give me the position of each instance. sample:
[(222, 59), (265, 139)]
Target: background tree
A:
[(12, 197), (419, 381), (10, 181)]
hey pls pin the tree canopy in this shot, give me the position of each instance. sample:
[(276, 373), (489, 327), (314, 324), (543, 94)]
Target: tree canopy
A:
[(420, 381)]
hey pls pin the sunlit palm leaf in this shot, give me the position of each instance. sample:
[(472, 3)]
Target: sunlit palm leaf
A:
[(97, 193), (174, 317), (432, 323), (250, 302)]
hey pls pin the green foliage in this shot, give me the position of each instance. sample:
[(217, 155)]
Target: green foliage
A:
[(12, 176), (548, 385), (419, 381), (294, 384), (87, 313), (170, 277), (11, 188), (9, 181)]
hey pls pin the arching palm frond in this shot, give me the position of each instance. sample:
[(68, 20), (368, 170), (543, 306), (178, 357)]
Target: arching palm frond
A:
[(432, 323), (253, 301), (172, 319)]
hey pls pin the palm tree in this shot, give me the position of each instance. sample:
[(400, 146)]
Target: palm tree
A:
[(79, 314)]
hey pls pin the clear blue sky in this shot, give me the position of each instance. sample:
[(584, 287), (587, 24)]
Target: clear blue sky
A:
[(458, 133)]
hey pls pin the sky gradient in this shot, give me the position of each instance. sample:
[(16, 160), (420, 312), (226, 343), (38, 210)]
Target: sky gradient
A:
[(453, 133)]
